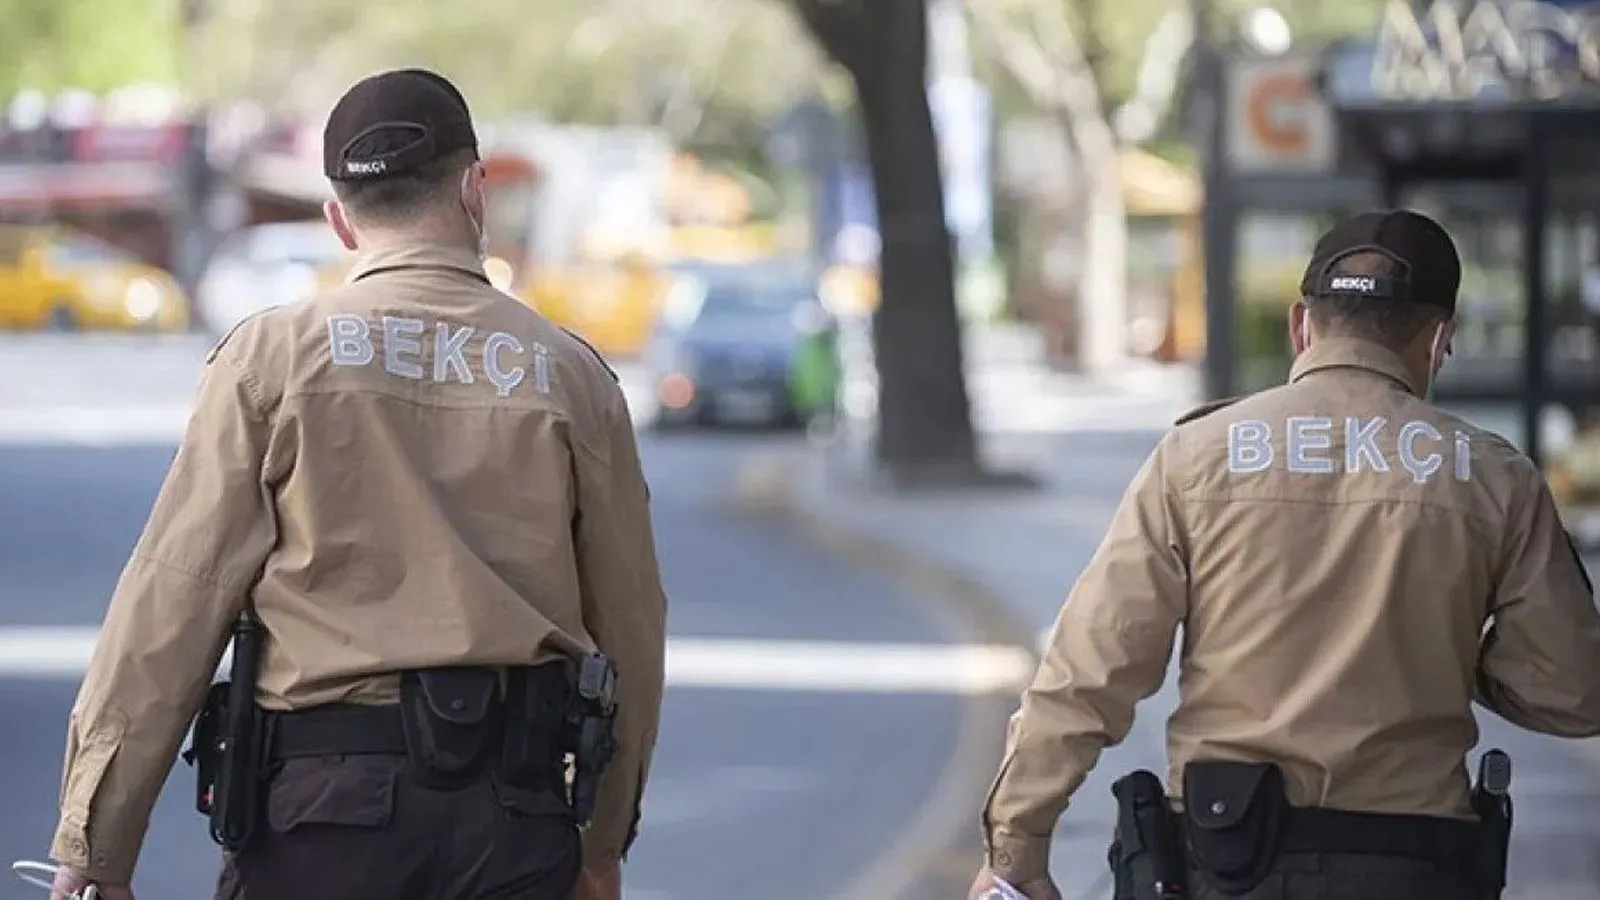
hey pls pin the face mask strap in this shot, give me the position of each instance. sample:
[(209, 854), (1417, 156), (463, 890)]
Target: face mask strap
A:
[(1436, 354), (481, 227)]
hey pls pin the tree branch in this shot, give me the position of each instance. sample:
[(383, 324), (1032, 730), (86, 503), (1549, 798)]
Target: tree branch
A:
[(685, 108), (1069, 89), (1157, 83), (1059, 40)]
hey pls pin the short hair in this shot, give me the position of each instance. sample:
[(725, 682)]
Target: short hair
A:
[(391, 200), (1392, 322)]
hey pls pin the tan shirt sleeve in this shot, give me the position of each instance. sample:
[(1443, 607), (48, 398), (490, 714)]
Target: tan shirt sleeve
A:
[(1109, 649), (624, 610), (165, 629), (1540, 662)]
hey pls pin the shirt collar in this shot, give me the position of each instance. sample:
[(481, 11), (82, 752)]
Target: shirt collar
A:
[(416, 255), (1353, 353)]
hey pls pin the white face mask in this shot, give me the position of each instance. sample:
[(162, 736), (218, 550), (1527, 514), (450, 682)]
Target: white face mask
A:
[(1436, 353)]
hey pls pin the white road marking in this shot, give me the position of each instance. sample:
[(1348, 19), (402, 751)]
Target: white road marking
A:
[(845, 666), (50, 652), (93, 426)]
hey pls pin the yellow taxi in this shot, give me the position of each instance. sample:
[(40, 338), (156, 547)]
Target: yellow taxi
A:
[(54, 278), (611, 306)]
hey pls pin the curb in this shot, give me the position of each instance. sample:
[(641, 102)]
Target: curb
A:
[(940, 849)]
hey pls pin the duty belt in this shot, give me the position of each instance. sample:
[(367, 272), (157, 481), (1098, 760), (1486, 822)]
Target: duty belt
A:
[(1452, 843), (338, 729), (533, 699)]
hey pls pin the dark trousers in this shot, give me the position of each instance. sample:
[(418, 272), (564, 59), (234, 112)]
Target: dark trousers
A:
[(363, 828), (1345, 876)]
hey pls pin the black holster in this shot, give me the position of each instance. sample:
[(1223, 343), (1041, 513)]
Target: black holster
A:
[(1147, 856), (536, 704), (1233, 818), (228, 746), (1491, 800), (590, 733)]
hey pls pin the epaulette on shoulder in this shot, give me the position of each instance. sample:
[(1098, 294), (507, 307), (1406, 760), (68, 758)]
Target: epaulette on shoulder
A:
[(1205, 409), (228, 335), (596, 353)]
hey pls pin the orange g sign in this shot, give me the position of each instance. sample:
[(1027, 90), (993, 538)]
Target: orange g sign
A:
[(1276, 112), (1277, 121)]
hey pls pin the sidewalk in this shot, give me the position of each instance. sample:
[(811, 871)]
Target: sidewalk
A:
[(1025, 549)]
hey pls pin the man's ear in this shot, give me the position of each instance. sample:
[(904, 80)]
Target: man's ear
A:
[(340, 223), (1299, 326)]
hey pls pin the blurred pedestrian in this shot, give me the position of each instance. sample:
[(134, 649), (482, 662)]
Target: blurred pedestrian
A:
[(1353, 567), (427, 502)]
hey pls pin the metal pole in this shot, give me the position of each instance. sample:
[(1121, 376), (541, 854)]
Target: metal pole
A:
[(191, 232), (1535, 210), (1391, 187), (1218, 214)]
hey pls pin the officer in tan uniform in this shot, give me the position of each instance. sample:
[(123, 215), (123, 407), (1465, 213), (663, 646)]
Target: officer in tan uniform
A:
[(431, 500), (1334, 549)]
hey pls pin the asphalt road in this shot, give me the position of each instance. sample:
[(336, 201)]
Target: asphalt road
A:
[(776, 776)]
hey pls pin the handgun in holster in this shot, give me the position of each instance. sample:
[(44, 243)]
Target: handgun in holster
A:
[(228, 744), (591, 730), (1148, 859), (1491, 800)]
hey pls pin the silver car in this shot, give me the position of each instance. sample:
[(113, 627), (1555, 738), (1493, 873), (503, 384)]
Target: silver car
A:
[(266, 265)]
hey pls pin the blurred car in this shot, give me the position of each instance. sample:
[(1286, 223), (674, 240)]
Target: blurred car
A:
[(262, 266), (55, 278), (743, 349)]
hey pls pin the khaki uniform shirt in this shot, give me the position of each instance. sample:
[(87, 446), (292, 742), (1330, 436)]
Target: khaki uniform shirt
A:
[(1334, 548), (411, 470)]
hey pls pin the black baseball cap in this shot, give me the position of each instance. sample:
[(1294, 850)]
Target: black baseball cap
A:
[(394, 122), (1421, 264)]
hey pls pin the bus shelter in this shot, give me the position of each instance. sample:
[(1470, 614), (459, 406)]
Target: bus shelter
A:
[(1382, 122), (1526, 160)]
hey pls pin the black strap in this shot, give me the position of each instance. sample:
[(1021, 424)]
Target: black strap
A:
[(336, 730), (1451, 842)]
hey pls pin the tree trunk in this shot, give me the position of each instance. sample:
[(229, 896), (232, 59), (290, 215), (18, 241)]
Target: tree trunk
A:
[(1103, 288), (1061, 77), (924, 414)]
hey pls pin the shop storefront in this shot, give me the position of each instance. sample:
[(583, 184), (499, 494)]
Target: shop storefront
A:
[(117, 183)]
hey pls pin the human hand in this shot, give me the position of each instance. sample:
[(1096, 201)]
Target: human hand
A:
[(1037, 889), (602, 881), (70, 885)]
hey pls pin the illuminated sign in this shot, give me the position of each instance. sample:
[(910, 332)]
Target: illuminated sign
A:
[(1277, 122), (1520, 50)]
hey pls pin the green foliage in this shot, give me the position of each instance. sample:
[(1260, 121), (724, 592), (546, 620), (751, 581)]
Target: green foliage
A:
[(714, 71), (1114, 33), (716, 64), (96, 45)]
